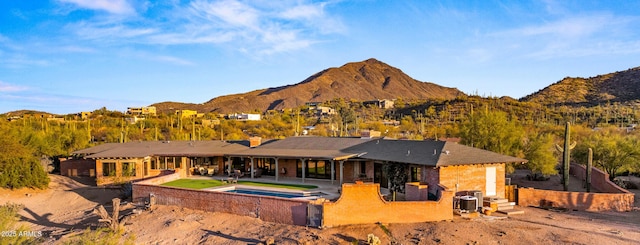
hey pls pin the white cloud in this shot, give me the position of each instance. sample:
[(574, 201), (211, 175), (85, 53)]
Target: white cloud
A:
[(231, 12), (106, 32), (257, 27), (303, 12), (121, 7), (6, 87), (572, 36)]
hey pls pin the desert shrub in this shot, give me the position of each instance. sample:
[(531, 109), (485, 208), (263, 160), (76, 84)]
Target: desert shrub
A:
[(11, 231), (101, 236), (19, 167), (373, 240)]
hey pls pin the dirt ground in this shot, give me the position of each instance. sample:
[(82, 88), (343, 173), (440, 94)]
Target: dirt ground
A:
[(65, 208)]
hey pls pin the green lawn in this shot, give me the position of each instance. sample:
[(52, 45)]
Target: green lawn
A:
[(206, 183), (194, 183)]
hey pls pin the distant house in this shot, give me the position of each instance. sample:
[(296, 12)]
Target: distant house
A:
[(142, 111), (188, 113), (322, 111), (244, 117), (384, 103), (84, 115), (134, 119)]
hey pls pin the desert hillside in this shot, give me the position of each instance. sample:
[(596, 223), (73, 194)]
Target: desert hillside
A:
[(620, 86), (365, 80)]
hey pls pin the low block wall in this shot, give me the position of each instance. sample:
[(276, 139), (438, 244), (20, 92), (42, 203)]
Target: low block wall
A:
[(164, 177), (599, 179), (271, 209), (575, 200), (77, 167), (361, 203), (611, 198)]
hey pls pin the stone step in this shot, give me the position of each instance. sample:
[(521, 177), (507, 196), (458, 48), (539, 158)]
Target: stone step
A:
[(495, 200), (505, 207), (511, 212), (506, 204)]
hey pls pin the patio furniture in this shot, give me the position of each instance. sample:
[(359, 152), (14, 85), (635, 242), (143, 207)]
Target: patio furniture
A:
[(202, 170), (257, 173), (237, 173), (213, 170)]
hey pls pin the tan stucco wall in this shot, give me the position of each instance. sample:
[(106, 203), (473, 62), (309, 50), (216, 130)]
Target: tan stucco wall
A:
[(471, 177), (361, 203)]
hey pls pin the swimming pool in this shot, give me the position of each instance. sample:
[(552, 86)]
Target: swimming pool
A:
[(272, 193)]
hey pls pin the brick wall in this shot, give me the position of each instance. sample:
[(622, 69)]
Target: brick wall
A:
[(414, 191), (431, 176), (575, 200), (599, 179), (614, 197), (471, 177), (362, 203), (271, 209), (78, 167)]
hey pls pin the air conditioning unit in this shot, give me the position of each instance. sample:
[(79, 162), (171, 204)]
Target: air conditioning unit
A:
[(468, 203), (478, 195)]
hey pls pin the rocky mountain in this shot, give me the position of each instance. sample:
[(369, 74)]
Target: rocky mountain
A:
[(620, 86), (365, 80)]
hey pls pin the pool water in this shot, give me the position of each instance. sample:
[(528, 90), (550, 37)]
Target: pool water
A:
[(273, 193)]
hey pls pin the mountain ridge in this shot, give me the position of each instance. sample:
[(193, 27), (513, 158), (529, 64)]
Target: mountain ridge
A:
[(621, 86), (365, 80)]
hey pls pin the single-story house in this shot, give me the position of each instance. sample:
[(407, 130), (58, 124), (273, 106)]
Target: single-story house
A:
[(391, 163)]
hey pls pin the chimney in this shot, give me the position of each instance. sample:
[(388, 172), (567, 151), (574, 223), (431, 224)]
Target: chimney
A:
[(255, 141), (369, 134)]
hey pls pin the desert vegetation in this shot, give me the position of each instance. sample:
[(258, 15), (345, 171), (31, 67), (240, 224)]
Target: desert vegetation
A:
[(31, 145)]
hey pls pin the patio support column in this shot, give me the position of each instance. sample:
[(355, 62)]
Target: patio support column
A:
[(251, 158), (333, 171), (277, 169), (303, 168), (341, 172), (229, 162)]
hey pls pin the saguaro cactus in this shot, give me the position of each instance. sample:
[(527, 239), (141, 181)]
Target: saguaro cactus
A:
[(589, 166), (566, 157)]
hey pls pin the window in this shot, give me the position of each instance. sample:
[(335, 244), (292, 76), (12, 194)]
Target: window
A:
[(170, 163), (415, 174), (128, 169), (268, 165), (154, 163), (363, 169), (108, 169), (315, 169)]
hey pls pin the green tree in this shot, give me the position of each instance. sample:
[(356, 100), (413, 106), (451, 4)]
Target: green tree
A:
[(18, 166), (539, 151), (492, 131), (612, 151)]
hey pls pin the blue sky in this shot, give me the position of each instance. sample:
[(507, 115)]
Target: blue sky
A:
[(67, 56)]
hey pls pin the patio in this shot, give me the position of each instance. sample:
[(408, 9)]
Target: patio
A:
[(332, 191)]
